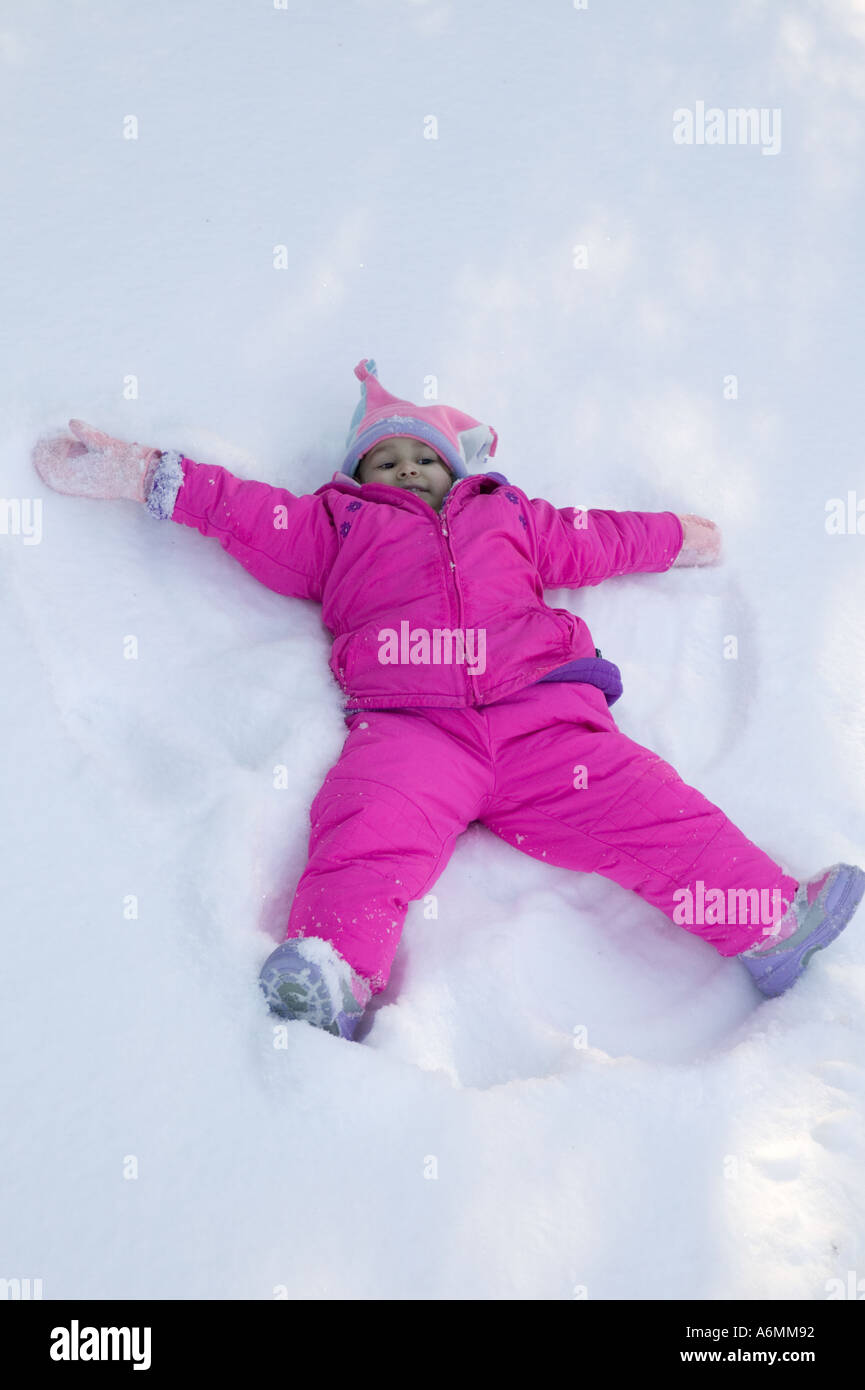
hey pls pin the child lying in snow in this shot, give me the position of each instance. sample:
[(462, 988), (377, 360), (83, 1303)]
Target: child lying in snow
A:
[(421, 570)]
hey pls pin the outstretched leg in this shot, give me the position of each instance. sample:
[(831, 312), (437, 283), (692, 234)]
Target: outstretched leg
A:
[(384, 825), (575, 791)]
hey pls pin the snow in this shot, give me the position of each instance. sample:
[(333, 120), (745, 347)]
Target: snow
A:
[(561, 1094)]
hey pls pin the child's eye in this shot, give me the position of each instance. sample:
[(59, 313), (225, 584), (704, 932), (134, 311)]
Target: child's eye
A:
[(388, 463)]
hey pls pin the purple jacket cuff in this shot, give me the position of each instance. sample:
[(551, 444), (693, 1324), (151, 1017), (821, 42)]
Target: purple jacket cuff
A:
[(167, 482)]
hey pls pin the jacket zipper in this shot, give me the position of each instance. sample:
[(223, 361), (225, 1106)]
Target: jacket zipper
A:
[(445, 533)]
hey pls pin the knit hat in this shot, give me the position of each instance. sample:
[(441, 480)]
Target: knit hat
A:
[(461, 441)]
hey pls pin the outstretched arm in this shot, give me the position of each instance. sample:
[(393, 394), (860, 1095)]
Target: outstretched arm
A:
[(578, 547), (285, 541)]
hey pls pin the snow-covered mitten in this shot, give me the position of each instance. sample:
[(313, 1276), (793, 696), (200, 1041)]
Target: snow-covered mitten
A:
[(88, 463), (701, 544)]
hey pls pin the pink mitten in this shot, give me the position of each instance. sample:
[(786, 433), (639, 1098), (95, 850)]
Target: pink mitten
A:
[(93, 464), (702, 543)]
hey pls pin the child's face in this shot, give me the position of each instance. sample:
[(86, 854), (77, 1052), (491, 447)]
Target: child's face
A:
[(410, 464)]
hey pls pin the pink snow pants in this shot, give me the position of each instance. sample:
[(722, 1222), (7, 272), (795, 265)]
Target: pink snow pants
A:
[(409, 781)]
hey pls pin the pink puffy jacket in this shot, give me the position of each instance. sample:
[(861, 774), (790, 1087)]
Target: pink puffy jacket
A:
[(377, 557)]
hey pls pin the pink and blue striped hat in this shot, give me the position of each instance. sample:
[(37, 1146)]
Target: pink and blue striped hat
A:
[(461, 441)]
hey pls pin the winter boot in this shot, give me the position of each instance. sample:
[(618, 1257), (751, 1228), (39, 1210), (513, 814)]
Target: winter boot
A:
[(820, 910), (306, 978)]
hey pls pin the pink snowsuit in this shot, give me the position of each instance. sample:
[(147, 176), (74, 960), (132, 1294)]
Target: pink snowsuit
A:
[(441, 735)]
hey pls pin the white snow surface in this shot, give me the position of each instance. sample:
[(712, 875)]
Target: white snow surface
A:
[(561, 1093)]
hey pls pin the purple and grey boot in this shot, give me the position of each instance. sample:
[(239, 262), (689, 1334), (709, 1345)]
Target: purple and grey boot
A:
[(820, 911), (306, 978)]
